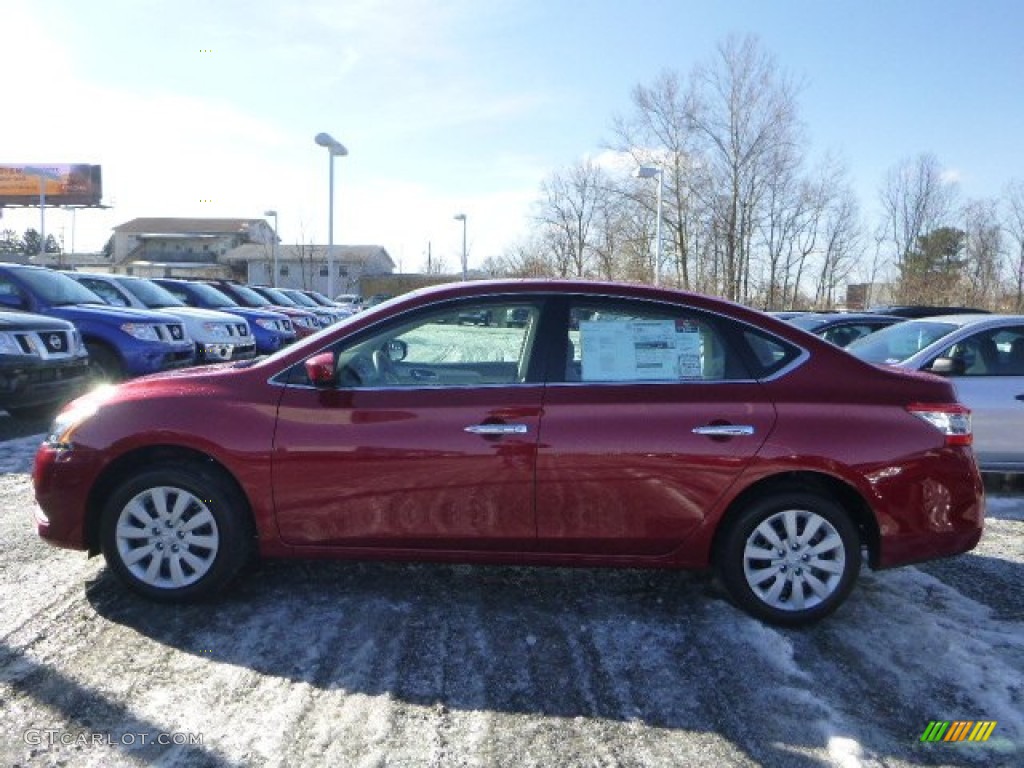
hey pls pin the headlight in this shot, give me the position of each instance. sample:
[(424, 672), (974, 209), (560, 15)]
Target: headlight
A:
[(309, 322), (66, 423), (216, 329), (9, 345), (77, 345), (141, 331)]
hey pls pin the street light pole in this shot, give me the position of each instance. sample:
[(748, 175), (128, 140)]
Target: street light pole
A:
[(273, 249), (43, 174), (648, 172), (462, 217), (334, 149)]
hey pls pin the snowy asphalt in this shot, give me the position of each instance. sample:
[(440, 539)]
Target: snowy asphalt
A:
[(360, 664)]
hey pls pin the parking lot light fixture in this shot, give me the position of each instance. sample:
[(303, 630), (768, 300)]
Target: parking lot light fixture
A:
[(273, 249), (649, 172), (334, 149), (462, 217)]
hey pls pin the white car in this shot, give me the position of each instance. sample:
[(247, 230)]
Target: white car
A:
[(219, 336), (983, 355)]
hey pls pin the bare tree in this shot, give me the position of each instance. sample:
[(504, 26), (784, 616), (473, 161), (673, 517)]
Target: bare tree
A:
[(915, 201), (841, 244), (1014, 227), (660, 132), (744, 116), (569, 212), (983, 252)]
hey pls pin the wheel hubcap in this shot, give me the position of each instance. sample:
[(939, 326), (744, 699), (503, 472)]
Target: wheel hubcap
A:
[(167, 538), (794, 560)]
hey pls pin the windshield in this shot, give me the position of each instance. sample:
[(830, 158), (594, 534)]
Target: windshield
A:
[(211, 297), (56, 288), (278, 297), (302, 299), (149, 293), (807, 322), (898, 342), (249, 295)]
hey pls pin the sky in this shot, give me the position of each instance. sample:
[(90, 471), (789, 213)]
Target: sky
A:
[(209, 109)]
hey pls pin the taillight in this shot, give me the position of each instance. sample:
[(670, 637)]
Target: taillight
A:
[(951, 419)]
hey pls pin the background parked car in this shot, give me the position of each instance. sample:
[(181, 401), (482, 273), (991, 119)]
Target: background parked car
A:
[(270, 330), (924, 310), (218, 336), (300, 300), (694, 433), (121, 342), (305, 323), (43, 363), (983, 356), (842, 328)]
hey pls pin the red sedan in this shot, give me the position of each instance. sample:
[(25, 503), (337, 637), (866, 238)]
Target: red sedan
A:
[(582, 423)]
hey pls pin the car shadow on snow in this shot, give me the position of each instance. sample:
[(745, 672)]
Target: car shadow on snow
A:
[(661, 648)]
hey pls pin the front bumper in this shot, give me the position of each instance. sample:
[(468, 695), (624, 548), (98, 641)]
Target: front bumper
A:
[(222, 352), (29, 383)]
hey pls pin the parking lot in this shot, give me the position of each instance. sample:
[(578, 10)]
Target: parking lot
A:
[(308, 663)]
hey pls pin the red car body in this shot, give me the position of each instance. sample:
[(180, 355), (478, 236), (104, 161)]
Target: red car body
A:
[(628, 474)]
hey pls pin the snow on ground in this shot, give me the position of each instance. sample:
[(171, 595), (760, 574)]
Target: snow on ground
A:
[(309, 663)]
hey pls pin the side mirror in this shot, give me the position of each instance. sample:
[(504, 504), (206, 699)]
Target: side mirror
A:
[(320, 369), (947, 366), (396, 350)]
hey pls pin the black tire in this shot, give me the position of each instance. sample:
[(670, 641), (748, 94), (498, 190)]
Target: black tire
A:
[(104, 365), (192, 547), (811, 558)]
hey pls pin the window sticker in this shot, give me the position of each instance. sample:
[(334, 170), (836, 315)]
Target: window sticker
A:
[(641, 350)]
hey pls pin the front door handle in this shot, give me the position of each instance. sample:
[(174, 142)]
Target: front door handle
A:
[(1019, 397), (497, 429), (724, 430)]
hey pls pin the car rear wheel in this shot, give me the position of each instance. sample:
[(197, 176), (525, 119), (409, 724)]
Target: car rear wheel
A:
[(176, 533), (790, 559)]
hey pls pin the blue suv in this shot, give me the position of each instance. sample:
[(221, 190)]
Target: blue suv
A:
[(121, 342)]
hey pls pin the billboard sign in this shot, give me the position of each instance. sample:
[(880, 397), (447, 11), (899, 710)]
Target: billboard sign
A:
[(65, 184)]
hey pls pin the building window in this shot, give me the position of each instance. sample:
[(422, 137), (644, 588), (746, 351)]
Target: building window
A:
[(284, 270), (323, 271)]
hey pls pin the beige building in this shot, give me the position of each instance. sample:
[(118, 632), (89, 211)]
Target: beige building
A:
[(239, 249)]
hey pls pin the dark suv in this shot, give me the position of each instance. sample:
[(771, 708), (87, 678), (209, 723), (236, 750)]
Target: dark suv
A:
[(43, 363)]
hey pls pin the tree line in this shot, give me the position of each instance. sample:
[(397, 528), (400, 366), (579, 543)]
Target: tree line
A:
[(29, 243), (748, 216)]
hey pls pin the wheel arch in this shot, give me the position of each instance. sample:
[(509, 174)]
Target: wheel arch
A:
[(829, 486), (147, 457)]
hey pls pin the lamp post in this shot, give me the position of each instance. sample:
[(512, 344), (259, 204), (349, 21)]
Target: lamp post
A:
[(649, 172), (334, 149), (273, 249), (462, 217), (43, 174)]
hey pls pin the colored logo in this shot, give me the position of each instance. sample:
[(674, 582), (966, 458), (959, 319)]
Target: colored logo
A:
[(959, 730)]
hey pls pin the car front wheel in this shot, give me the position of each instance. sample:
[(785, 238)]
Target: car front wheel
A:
[(790, 559), (176, 533)]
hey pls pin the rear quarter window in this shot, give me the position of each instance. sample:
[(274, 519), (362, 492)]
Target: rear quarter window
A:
[(769, 354)]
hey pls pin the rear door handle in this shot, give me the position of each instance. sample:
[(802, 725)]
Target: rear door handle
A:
[(496, 429), (1019, 397), (724, 430)]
